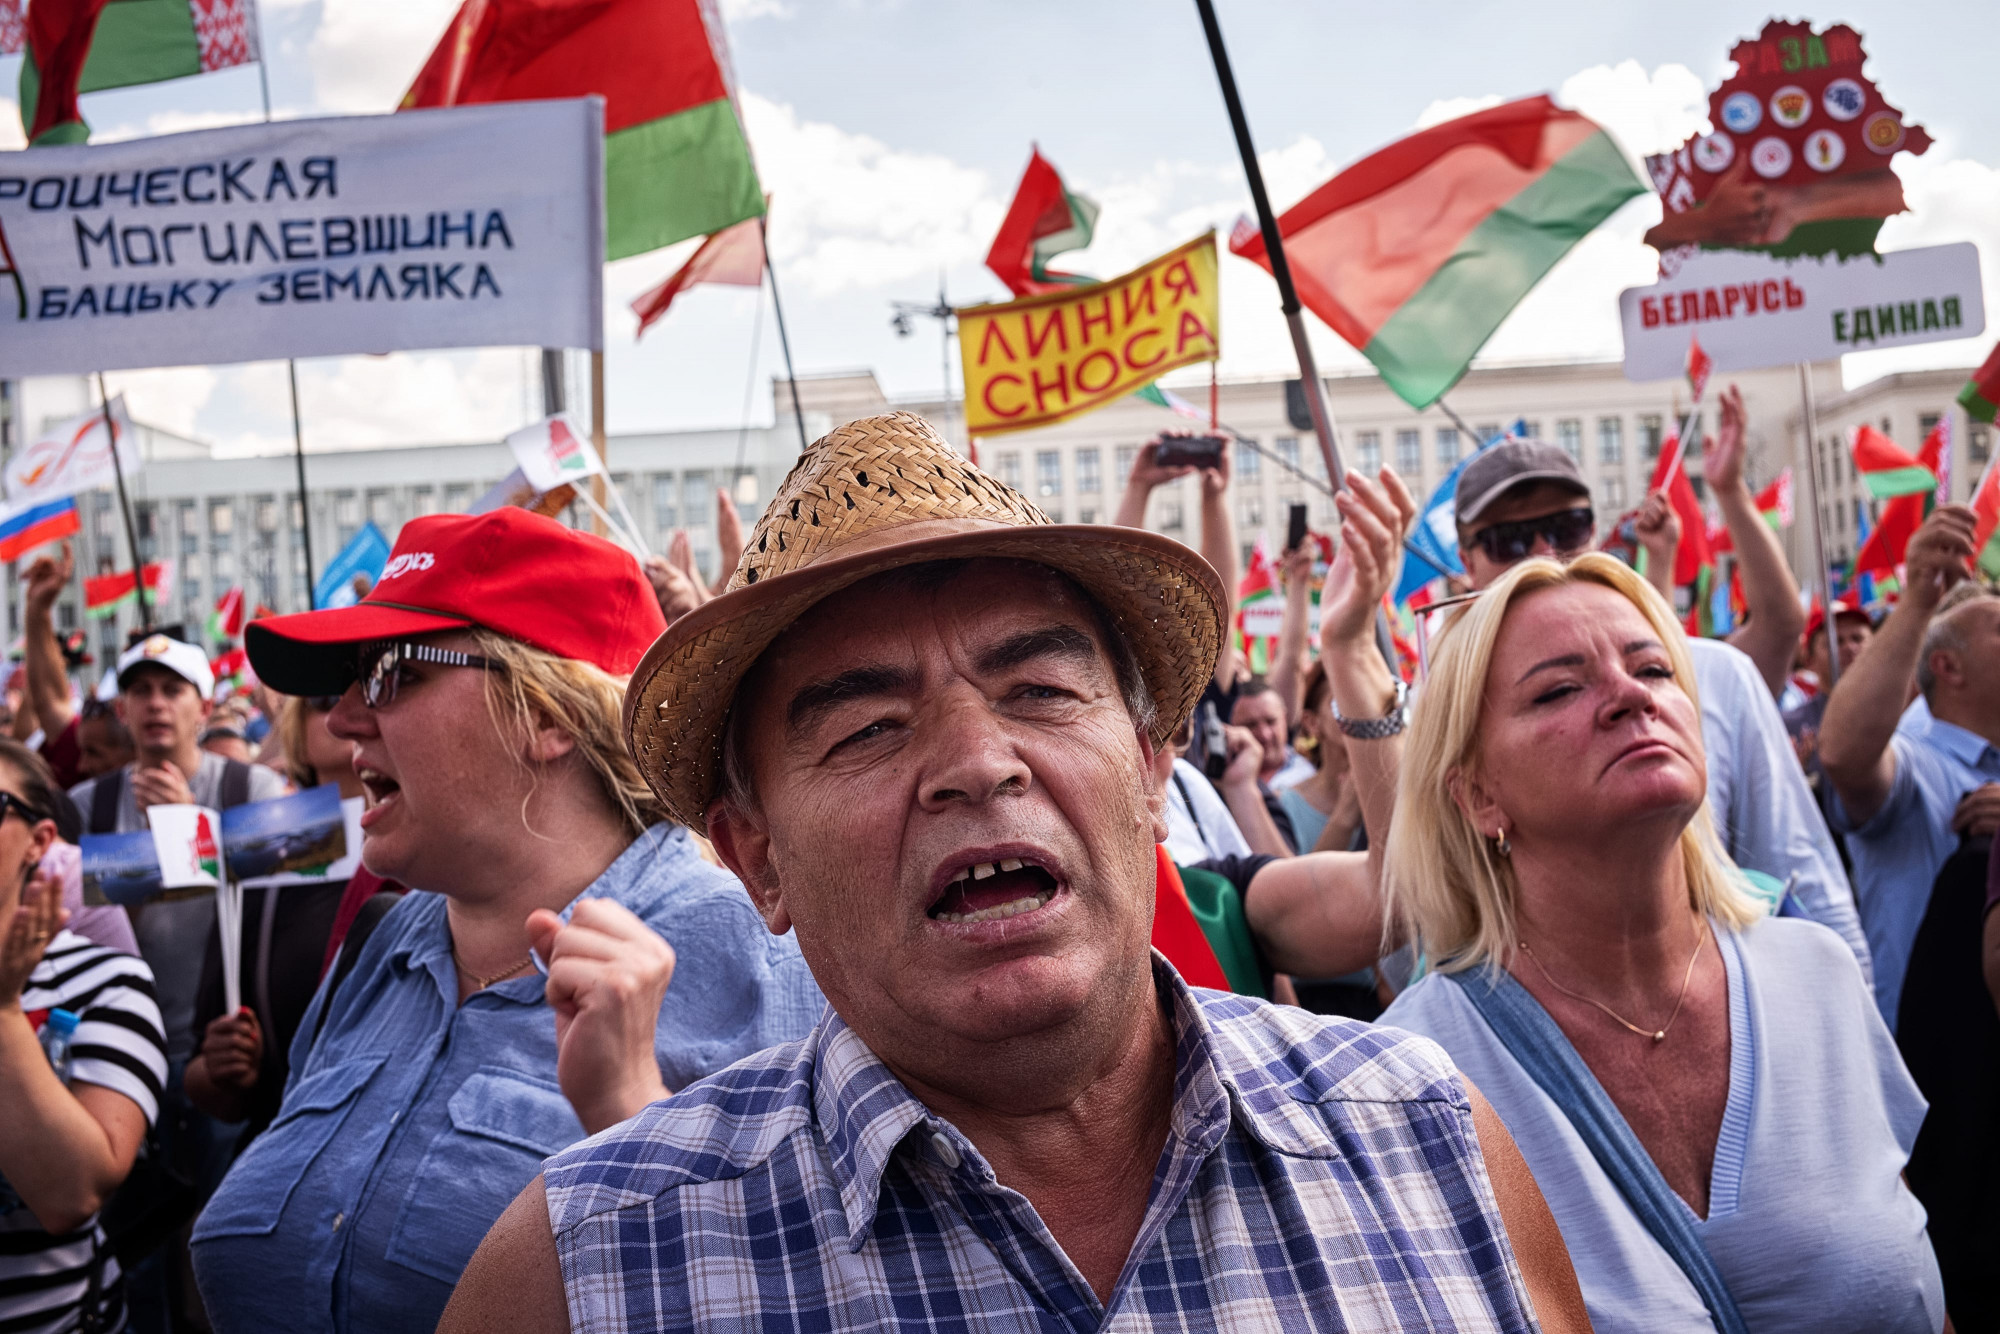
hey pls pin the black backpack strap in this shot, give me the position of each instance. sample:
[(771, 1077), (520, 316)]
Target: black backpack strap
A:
[(365, 921), (235, 784), (104, 795)]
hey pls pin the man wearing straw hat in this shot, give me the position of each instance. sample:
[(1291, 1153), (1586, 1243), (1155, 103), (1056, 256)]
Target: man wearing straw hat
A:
[(919, 727)]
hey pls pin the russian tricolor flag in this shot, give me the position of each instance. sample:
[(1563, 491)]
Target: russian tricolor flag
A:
[(25, 529)]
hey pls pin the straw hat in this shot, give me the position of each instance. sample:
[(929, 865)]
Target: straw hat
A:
[(873, 495)]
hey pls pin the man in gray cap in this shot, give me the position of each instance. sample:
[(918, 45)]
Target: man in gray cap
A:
[(1523, 498)]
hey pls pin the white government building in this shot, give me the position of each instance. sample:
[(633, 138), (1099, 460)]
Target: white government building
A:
[(229, 521)]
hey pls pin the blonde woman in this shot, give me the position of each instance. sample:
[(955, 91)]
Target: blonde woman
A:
[(480, 684), (1707, 1096)]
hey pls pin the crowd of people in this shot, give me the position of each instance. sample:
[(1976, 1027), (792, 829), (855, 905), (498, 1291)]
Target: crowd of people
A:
[(933, 921)]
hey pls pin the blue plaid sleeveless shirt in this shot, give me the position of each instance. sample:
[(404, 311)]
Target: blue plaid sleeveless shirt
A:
[(1318, 1174)]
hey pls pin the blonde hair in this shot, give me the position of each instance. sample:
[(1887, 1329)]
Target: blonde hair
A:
[(580, 699), (294, 716), (1457, 898)]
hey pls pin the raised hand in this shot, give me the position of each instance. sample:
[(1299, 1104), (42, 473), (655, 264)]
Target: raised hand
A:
[(47, 578), (36, 919), (1939, 555), (1722, 453), (608, 972), (1375, 516), (1147, 471), (233, 1047), (160, 785), (728, 538)]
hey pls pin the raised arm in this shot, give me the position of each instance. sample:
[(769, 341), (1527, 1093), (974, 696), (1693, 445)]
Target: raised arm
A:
[(1146, 474), (1288, 669), (1218, 525), (48, 681), (1862, 713), (1659, 530), (1776, 619), (1321, 914)]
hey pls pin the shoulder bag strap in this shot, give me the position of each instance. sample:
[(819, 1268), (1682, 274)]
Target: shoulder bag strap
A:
[(104, 797), (235, 783), (1187, 800), (1539, 1046), (373, 910)]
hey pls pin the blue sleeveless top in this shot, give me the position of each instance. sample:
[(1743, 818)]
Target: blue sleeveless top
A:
[(1808, 1219)]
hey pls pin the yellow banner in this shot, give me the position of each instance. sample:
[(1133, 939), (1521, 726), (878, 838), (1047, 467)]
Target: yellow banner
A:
[(1046, 358)]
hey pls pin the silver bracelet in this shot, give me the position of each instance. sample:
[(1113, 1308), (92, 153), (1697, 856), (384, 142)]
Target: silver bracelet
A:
[(1377, 729)]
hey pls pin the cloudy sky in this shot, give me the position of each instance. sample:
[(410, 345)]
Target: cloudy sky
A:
[(891, 134)]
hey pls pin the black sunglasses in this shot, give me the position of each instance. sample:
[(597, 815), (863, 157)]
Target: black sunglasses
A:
[(322, 703), (1566, 531), (381, 667), (10, 802)]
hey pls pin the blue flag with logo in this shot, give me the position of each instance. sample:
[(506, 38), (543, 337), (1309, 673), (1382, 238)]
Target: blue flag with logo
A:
[(365, 553), (1432, 549)]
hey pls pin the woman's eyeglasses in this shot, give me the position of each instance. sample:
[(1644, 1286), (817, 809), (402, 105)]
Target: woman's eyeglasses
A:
[(322, 703), (1565, 530), (10, 802), (381, 667)]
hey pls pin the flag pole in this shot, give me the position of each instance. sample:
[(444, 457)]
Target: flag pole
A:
[(784, 340), (291, 363), (1820, 577), (599, 439), (125, 508), (1274, 250)]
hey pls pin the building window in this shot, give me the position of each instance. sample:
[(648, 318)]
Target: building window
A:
[(1487, 430), (1288, 450), (1569, 434), (1048, 472), (382, 510), (1371, 451), (1531, 430), (1610, 440), (1009, 464), (193, 586), (1125, 456), (267, 514), (457, 497), (1614, 494), (666, 510), (1409, 453), (1926, 423), (221, 518), (698, 503), (223, 566), (1089, 475), (1979, 442), (1088, 514), (1249, 461), (1447, 446), (1170, 516), (346, 515), (423, 501), (1253, 511)]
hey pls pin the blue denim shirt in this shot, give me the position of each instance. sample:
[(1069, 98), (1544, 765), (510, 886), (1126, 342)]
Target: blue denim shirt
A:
[(414, 1120)]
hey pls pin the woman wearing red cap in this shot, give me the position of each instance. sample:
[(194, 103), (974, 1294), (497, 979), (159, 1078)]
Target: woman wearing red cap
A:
[(481, 682)]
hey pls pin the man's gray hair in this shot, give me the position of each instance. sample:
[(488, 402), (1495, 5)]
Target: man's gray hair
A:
[(1943, 635), (738, 789)]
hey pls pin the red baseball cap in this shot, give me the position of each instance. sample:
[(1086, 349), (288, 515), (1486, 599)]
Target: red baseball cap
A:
[(1843, 607), (508, 571)]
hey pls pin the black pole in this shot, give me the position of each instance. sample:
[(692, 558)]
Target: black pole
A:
[(125, 507), (305, 505), (791, 376), (1274, 250)]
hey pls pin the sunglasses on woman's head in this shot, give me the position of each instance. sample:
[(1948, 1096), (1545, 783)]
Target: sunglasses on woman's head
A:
[(1565, 530)]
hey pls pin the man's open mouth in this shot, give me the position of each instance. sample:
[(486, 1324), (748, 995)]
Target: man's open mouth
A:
[(989, 891)]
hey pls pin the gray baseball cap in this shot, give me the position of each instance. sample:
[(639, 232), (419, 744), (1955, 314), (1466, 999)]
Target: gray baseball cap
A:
[(1496, 471)]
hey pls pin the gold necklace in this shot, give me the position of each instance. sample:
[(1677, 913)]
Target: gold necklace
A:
[(481, 983), (1657, 1035)]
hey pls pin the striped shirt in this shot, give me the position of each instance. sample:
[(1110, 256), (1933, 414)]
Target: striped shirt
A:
[(1318, 1174), (119, 1046)]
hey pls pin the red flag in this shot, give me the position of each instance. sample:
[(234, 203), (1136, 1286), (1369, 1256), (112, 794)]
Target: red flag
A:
[(733, 256), (59, 36), (1694, 554), (1177, 931), (1042, 208), (1698, 367), (1902, 516), (1986, 505)]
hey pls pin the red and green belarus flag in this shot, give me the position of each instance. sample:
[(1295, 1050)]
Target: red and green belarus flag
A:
[(105, 594), (676, 162), (1986, 537), (1912, 501), (1885, 469), (81, 46), (1981, 396), (1417, 253)]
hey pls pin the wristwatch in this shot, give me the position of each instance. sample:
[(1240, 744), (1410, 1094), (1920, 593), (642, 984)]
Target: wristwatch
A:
[(1377, 729)]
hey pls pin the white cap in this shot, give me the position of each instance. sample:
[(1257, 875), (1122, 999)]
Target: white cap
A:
[(184, 660)]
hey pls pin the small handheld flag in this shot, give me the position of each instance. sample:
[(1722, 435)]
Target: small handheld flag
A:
[(33, 525), (1885, 469), (1981, 396)]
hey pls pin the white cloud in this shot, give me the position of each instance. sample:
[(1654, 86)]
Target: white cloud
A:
[(365, 52), (10, 125), (851, 212), (1950, 199), (1451, 108), (742, 11), (1646, 113), (171, 122)]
